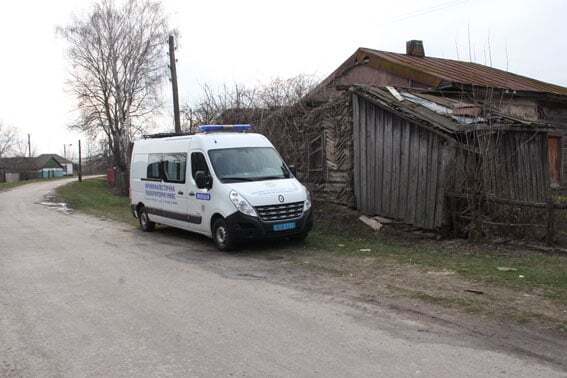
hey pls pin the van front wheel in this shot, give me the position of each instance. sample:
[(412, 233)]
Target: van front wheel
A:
[(145, 223), (222, 235)]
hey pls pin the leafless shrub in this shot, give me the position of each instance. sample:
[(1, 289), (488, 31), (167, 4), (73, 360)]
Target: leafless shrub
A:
[(215, 102), (285, 92), (239, 103)]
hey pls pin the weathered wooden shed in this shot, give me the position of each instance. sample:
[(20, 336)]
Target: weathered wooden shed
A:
[(410, 151)]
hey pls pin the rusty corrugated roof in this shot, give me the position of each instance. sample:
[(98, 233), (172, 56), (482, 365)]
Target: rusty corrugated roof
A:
[(439, 112), (438, 71)]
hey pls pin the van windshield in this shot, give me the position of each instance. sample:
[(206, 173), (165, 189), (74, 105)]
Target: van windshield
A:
[(248, 164)]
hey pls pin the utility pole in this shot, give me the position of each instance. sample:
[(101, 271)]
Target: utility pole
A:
[(65, 151), (29, 145), (173, 70), (80, 170)]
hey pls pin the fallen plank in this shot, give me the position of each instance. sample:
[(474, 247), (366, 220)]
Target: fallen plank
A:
[(372, 223), (383, 220)]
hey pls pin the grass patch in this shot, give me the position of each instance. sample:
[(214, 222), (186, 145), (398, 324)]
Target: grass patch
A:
[(10, 185), (94, 197), (533, 270)]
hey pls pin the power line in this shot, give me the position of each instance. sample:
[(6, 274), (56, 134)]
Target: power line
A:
[(428, 10)]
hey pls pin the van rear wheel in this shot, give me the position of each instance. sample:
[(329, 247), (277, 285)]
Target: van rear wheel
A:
[(145, 223), (222, 236)]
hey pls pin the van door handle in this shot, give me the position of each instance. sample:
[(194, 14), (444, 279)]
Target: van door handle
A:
[(191, 194), (180, 193)]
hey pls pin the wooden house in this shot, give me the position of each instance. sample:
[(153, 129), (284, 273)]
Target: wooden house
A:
[(394, 134), (517, 96)]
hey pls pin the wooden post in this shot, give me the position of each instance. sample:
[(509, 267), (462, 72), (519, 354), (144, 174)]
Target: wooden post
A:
[(80, 170), (550, 234), (453, 211), (174, 88)]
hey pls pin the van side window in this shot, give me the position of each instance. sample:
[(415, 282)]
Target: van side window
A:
[(154, 166), (198, 163), (174, 167)]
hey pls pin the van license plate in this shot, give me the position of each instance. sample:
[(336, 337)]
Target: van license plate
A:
[(284, 226)]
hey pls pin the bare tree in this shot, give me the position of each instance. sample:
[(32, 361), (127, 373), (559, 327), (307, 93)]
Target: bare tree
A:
[(21, 149), (8, 139), (117, 53)]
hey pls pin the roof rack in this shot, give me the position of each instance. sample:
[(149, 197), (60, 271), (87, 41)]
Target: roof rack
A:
[(163, 135)]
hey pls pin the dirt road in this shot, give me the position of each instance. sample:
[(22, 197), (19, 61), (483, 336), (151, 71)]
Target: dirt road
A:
[(81, 296)]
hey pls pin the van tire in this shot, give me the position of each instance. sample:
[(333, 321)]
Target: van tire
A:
[(145, 223), (222, 236)]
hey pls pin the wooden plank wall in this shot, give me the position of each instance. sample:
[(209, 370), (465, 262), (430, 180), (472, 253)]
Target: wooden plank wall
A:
[(333, 123), (517, 169), (564, 161), (521, 167), (399, 167), (325, 167)]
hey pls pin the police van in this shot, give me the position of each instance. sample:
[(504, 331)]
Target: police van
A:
[(222, 182)]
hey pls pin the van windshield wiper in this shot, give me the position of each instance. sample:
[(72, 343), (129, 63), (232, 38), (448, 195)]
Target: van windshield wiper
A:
[(261, 178), (270, 178), (237, 178)]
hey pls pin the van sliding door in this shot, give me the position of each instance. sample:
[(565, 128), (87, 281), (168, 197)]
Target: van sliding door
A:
[(174, 187), (200, 199)]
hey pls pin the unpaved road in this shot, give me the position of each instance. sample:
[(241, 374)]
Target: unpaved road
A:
[(80, 296)]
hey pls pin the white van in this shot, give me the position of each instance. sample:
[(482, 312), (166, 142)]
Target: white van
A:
[(221, 182)]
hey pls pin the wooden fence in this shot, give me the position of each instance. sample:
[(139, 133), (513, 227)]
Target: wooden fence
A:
[(541, 220)]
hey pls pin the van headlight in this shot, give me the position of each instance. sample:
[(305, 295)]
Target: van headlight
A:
[(241, 204), (307, 204)]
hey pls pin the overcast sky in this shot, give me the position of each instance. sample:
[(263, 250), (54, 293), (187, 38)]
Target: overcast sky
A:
[(251, 42)]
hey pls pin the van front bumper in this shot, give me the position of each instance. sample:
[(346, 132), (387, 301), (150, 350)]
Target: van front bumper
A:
[(245, 227)]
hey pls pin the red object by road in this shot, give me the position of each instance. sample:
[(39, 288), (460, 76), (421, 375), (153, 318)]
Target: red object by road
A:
[(111, 176)]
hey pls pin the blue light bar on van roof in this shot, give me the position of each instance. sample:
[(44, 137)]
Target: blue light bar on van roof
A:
[(216, 128)]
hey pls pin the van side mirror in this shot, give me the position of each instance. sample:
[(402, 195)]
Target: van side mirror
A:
[(203, 180), (292, 169)]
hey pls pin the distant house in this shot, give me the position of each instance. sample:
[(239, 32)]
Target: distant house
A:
[(42, 166), (52, 163), (17, 168), (517, 96)]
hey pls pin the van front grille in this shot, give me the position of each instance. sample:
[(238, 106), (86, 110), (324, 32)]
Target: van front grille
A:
[(280, 212)]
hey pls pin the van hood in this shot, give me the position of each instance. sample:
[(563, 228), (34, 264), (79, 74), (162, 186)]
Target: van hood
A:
[(271, 192)]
